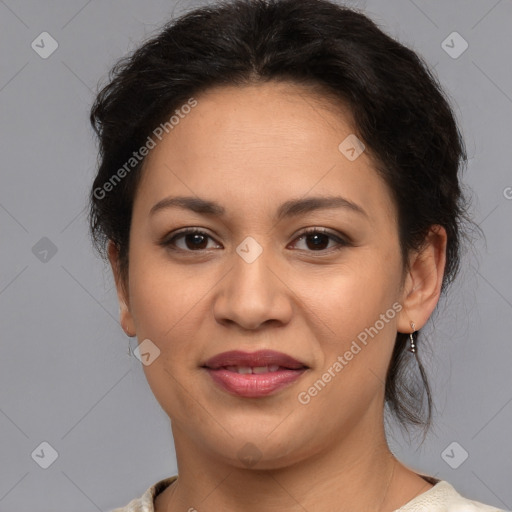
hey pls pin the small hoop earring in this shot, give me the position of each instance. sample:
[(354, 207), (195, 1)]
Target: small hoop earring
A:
[(412, 347)]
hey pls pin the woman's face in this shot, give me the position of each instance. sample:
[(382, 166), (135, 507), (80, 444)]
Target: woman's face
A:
[(250, 281)]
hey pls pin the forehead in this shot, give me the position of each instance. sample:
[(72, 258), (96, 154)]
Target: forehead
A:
[(259, 144), (281, 116)]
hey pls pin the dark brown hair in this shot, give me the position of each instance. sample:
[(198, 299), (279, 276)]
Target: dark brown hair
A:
[(398, 106)]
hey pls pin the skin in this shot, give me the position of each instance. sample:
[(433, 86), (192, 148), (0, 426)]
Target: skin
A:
[(251, 149)]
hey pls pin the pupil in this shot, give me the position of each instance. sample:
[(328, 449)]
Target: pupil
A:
[(316, 237), (196, 238)]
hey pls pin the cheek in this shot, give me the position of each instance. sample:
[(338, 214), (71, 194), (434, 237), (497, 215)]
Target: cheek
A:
[(360, 306), (161, 293), (355, 295), (167, 305), (355, 354)]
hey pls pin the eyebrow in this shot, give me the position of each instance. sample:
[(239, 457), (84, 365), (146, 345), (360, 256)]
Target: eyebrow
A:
[(292, 208)]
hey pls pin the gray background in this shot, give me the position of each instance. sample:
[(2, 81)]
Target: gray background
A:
[(65, 375)]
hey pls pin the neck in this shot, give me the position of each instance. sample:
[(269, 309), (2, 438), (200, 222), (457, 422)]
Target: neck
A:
[(358, 471)]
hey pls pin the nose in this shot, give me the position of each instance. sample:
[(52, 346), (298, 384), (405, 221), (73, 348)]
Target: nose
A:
[(253, 293)]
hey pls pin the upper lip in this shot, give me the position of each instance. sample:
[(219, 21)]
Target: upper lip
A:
[(253, 359)]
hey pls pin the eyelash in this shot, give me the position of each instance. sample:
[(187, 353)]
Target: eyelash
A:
[(169, 242)]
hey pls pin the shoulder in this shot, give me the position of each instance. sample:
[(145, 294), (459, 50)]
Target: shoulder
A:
[(444, 498), (146, 502)]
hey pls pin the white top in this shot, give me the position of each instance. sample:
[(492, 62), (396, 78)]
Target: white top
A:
[(442, 497)]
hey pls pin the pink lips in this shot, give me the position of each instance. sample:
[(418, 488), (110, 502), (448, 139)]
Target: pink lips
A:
[(255, 374)]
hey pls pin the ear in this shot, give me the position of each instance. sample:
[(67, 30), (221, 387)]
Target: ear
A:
[(422, 286), (125, 317)]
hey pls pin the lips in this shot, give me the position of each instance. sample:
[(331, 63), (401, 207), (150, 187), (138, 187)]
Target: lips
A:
[(257, 359), (255, 374)]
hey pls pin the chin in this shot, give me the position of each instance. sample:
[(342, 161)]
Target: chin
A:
[(255, 449)]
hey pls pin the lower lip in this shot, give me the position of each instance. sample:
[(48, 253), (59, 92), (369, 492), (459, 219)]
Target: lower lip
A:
[(253, 385)]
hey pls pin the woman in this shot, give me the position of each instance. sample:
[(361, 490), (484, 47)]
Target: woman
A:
[(278, 196)]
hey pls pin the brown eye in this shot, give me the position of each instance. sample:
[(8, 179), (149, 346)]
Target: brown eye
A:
[(317, 240), (193, 240)]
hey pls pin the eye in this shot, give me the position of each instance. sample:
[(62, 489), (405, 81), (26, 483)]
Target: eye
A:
[(194, 240), (319, 239)]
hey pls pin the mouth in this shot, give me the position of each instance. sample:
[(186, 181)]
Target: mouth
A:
[(245, 370), (255, 374), (255, 360)]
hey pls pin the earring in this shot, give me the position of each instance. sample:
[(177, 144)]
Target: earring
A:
[(412, 348), (122, 327)]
